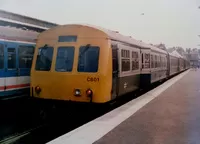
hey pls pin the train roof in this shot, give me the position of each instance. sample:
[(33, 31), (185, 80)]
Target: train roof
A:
[(15, 34), (114, 35), (176, 54)]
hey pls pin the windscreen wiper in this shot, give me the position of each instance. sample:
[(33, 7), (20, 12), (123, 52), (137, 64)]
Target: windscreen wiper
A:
[(86, 49)]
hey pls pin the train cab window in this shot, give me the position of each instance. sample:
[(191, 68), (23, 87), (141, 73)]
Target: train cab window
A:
[(65, 59), (88, 60), (125, 54), (25, 56), (11, 58), (44, 58), (1, 56)]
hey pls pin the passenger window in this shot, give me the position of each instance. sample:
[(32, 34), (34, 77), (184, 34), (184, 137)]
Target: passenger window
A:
[(44, 58), (1, 56), (11, 58), (125, 60), (65, 59), (25, 56), (88, 59)]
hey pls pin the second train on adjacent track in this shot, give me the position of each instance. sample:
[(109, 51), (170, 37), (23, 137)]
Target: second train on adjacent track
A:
[(89, 64)]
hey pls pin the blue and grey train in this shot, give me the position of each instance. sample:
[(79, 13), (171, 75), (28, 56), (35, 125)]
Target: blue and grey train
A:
[(16, 53)]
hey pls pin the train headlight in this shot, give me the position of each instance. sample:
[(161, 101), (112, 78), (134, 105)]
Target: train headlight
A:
[(37, 89), (77, 92), (89, 93)]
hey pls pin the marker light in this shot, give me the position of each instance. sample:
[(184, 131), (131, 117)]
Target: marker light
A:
[(37, 89), (89, 93)]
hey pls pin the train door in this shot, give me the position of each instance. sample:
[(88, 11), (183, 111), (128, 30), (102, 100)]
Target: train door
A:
[(179, 65), (11, 67), (115, 71), (2, 69), (168, 62)]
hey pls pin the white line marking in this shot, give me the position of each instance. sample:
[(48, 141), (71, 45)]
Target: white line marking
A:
[(94, 130)]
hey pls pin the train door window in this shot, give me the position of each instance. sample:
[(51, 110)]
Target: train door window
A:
[(125, 56), (114, 60), (142, 60), (152, 63), (44, 58), (161, 65), (25, 56), (161, 62), (1, 56), (155, 61), (135, 61), (11, 58), (147, 60), (88, 59), (64, 59)]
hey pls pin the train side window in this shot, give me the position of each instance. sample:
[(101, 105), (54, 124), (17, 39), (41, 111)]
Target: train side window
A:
[(11, 58), (25, 56), (1, 56), (125, 60), (64, 59)]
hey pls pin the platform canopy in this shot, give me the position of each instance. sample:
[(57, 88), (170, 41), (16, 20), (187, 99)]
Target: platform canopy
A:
[(24, 22)]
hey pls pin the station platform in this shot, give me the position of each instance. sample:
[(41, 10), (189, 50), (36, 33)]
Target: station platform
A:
[(168, 114)]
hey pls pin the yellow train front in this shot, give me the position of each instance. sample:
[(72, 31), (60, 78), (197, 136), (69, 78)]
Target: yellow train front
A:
[(72, 63)]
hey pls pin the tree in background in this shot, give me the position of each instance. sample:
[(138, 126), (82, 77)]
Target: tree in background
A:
[(161, 46), (180, 50), (188, 50)]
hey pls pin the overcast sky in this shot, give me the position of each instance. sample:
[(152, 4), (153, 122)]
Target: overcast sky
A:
[(173, 22)]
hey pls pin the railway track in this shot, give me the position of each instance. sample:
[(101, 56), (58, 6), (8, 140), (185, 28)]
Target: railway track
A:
[(15, 137)]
